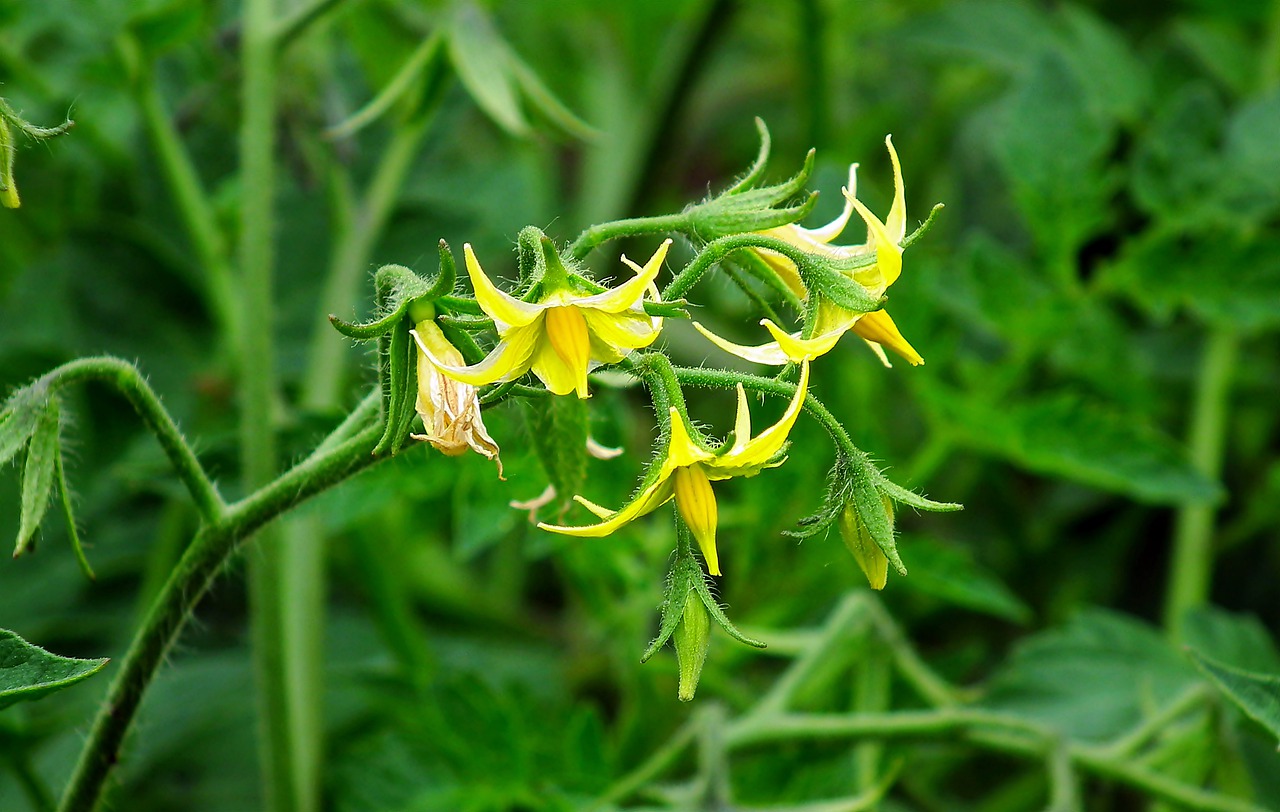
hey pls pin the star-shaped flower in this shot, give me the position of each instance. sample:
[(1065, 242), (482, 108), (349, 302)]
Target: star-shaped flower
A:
[(884, 240), (688, 468), (566, 333)]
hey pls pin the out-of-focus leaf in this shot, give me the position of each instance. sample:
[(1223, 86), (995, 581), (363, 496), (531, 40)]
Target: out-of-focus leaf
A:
[(1050, 145), (1115, 81), (1252, 162), (1224, 278), (1099, 446), (1092, 679), (29, 672), (1258, 695), (1004, 35), (162, 29), (1176, 167), (1223, 50), (1240, 641), (950, 574), (483, 61)]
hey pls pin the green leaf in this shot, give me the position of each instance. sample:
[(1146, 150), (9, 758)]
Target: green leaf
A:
[(1240, 641), (1051, 146), (1116, 83), (28, 672), (1065, 435), (1258, 695), (483, 61), (1252, 162), (162, 29), (1093, 679), (38, 475), (949, 573), (1176, 166)]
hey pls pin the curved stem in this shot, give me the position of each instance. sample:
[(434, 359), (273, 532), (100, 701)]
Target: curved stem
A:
[(126, 378), (200, 564), (597, 235)]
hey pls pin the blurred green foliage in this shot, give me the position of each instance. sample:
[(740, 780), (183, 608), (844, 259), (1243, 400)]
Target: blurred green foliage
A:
[(1113, 200)]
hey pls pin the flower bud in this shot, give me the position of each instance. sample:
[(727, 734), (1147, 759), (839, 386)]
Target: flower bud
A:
[(874, 563), (691, 639), (450, 410)]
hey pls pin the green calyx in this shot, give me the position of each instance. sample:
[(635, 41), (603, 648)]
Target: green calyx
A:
[(10, 121)]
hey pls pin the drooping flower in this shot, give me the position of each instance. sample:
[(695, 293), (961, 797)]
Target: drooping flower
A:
[(884, 241), (565, 334), (688, 468), (450, 410), (856, 536)]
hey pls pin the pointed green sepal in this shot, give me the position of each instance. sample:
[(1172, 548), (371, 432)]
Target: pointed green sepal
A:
[(38, 475), (68, 513), (399, 373), (685, 573)]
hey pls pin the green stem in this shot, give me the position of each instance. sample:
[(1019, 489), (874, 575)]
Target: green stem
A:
[(597, 235), (721, 247), (296, 24), (839, 627), (129, 382), (322, 389), (193, 206), (1191, 572), (661, 759), (285, 787), (204, 558)]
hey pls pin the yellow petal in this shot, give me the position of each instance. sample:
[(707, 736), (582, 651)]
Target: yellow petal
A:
[(741, 422), (770, 354), (803, 349), (568, 336), (559, 377), (629, 294), (599, 511), (878, 327), (697, 505), (653, 497), (682, 450), (504, 309), (896, 223), (510, 359), (622, 332), (888, 252), (782, 266), (754, 455), (827, 233)]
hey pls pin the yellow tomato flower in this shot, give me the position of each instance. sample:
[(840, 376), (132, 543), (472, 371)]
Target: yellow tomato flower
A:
[(450, 410), (688, 470), (564, 336), (884, 240)]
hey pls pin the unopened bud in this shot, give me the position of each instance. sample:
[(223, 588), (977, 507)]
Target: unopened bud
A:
[(691, 639), (863, 547)]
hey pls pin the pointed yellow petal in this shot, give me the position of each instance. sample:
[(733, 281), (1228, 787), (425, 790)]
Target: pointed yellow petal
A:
[(782, 266), (622, 332), (629, 294), (896, 223), (758, 452), (682, 450), (697, 505), (888, 253), (830, 231), (600, 512), (510, 359), (503, 308), (803, 349), (770, 354), (649, 500), (878, 327), (559, 378)]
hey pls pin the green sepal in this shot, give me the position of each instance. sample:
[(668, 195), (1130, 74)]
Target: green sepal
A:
[(924, 227), (397, 289), (870, 507), (717, 614), (529, 258), (901, 495), (399, 373), (69, 514), (558, 427), (838, 288), (18, 419), (684, 574), (38, 475), (29, 672), (745, 207)]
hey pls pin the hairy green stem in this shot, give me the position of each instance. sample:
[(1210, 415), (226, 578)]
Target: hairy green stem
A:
[(126, 379), (1191, 571), (597, 235), (721, 247), (204, 558)]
